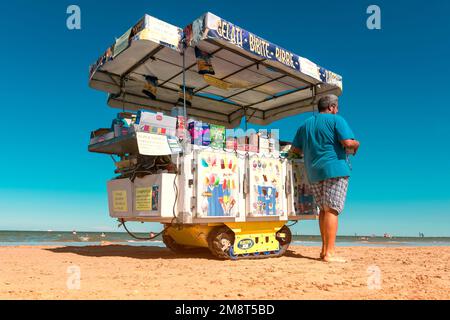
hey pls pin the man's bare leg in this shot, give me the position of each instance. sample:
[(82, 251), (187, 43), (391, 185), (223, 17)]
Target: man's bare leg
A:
[(330, 226), (321, 219)]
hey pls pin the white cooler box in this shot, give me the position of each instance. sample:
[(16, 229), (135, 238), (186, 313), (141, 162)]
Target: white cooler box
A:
[(154, 196), (218, 184), (120, 198), (300, 200), (266, 177)]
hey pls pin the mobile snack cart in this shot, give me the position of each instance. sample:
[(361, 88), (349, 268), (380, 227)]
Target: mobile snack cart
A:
[(179, 92)]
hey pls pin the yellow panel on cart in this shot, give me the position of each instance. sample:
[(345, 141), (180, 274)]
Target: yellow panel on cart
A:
[(191, 235), (252, 237)]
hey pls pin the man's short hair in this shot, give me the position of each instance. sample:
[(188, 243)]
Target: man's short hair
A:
[(327, 101)]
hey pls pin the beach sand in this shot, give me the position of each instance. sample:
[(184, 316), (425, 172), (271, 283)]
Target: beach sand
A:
[(126, 272)]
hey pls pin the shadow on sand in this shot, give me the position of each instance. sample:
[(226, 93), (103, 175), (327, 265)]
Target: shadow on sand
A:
[(147, 252), (293, 254), (137, 252)]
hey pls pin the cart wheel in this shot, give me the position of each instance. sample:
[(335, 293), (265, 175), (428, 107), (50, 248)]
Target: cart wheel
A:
[(172, 245), (285, 240), (232, 255), (220, 242)]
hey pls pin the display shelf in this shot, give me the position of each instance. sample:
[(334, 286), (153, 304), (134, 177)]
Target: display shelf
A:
[(119, 145)]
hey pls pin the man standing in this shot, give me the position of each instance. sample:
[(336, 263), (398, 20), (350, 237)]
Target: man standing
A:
[(325, 139)]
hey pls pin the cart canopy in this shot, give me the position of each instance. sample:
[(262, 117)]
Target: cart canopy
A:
[(246, 76)]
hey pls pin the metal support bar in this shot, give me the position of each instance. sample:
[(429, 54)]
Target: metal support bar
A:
[(252, 88), (188, 68), (232, 74), (283, 95), (142, 61), (255, 60), (184, 81)]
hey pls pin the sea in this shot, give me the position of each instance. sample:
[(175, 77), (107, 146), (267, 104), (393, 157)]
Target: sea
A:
[(80, 238)]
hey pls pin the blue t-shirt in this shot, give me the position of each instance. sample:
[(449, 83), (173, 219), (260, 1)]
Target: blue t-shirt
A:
[(319, 138)]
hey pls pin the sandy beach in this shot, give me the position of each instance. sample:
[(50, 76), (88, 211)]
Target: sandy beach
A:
[(126, 272)]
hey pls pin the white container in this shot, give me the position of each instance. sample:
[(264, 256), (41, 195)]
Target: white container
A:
[(300, 200), (218, 183), (120, 198), (266, 181), (154, 196)]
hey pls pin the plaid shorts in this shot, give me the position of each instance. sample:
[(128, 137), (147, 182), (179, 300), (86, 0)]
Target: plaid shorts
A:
[(331, 193)]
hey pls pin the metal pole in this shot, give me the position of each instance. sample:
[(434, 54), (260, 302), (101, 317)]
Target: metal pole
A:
[(246, 120), (185, 133), (184, 84)]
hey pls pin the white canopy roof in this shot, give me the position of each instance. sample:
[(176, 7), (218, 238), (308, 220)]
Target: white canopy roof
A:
[(256, 78)]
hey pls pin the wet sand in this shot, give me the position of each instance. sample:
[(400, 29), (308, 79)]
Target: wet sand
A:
[(127, 272)]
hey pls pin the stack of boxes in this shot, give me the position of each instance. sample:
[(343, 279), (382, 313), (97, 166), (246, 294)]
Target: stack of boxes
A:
[(178, 113), (200, 133), (264, 146), (156, 123), (231, 143)]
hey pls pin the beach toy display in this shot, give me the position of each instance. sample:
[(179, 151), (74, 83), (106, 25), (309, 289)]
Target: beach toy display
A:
[(175, 161)]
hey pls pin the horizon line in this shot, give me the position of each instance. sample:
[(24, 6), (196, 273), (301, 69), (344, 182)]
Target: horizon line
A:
[(294, 234)]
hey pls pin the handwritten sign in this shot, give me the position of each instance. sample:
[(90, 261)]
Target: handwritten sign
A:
[(143, 199), (152, 144), (119, 201)]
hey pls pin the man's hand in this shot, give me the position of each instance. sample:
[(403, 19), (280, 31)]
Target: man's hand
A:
[(351, 145), (294, 153)]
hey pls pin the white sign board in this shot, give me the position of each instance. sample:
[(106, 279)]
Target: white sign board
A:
[(152, 144)]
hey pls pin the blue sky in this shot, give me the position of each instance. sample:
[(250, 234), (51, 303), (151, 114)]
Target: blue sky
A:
[(395, 99)]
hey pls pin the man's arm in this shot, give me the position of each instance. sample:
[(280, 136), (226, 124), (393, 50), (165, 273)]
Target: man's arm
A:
[(351, 144), (345, 135)]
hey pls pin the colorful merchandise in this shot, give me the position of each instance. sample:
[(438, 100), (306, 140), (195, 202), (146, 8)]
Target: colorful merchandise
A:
[(120, 126), (155, 197), (217, 136), (200, 133), (218, 183), (157, 123), (178, 113)]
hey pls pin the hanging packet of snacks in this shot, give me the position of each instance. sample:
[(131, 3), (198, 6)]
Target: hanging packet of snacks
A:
[(203, 62), (189, 95), (150, 86), (217, 136)]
